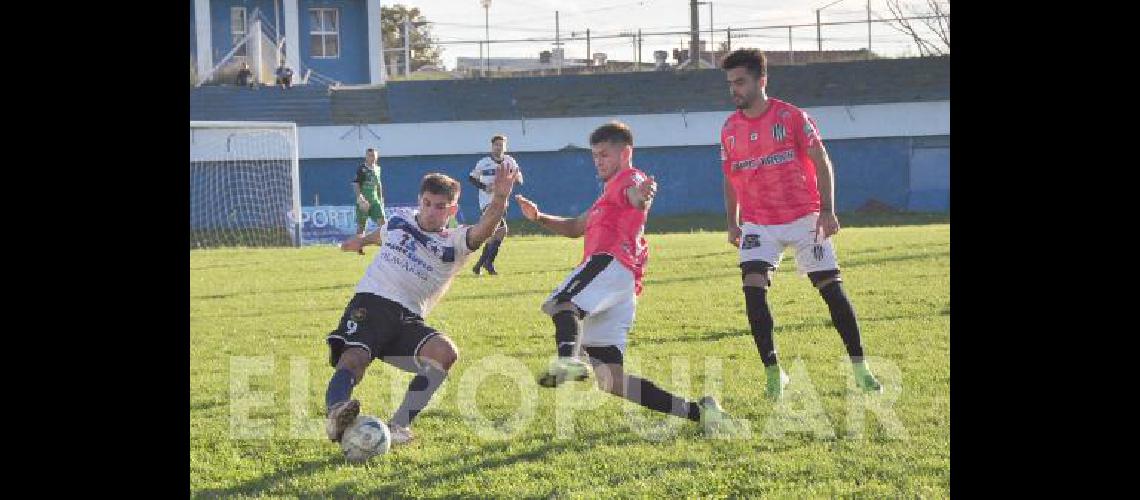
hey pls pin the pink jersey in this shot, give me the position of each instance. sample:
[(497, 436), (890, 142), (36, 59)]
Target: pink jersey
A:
[(616, 227), (766, 160)]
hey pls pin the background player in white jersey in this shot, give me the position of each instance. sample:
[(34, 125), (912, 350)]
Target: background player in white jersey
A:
[(418, 258), (482, 177)]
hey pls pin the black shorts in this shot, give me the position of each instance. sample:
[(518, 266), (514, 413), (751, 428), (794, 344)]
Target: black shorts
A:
[(604, 355), (384, 328)]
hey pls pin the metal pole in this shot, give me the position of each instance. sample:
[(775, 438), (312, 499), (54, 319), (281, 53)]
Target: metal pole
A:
[(639, 49), (868, 30), (589, 56), (557, 43), (407, 49), (818, 36), (791, 52), (695, 36), (728, 37), (712, 46), (487, 27)]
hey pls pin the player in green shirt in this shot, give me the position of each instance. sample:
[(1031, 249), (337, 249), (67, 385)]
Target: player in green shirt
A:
[(369, 193)]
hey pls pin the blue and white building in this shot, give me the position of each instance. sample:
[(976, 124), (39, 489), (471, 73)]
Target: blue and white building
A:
[(338, 40)]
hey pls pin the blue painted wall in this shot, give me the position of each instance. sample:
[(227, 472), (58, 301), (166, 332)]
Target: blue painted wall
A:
[(352, 65), (870, 169), (220, 36), (689, 178)]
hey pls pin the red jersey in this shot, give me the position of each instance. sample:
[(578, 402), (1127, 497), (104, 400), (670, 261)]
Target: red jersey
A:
[(766, 160), (614, 226)]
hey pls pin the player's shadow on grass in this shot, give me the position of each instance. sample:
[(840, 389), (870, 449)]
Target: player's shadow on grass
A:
[(680, 279), (339, 286), (269, 481), (499, 295), (444, 469), (912, 246), (703, 337), (729, 252), (205, 405), (899, 258), (256, 314)]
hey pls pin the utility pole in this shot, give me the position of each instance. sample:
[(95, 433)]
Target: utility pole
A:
[(695, 36), (791, 53), (639, 49), (589, 56), (868, 30), (557, 44), (407, 49), (711, 47), (487, 28), (818, 31)]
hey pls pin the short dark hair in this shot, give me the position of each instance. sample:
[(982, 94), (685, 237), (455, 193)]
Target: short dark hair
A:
[(613, 132), (752, 60), (437, 183), (499, 137), (370, 150)]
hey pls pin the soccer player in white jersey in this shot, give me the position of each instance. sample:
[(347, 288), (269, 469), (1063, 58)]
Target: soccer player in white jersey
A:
[(418, 258), (482, 177)]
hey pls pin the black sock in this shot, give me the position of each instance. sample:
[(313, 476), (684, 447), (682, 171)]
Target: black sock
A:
[(419, 394), (483, 256), (340, 387), (566, 328), (843, 316), (647, 394), (760, 319), (492, 252)]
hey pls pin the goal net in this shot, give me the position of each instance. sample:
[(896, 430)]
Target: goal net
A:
[(244, 184)]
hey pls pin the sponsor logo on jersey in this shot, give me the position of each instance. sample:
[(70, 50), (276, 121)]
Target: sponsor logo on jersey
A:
[(767, 161), (445, 254), (754, 136)]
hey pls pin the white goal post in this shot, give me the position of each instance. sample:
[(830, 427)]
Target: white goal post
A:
[(245, 187)]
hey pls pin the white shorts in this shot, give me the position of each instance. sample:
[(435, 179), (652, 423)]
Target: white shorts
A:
[(767, 243), (603, 288)]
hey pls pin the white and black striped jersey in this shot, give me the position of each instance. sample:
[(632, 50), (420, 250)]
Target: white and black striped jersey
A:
[(485, 172)]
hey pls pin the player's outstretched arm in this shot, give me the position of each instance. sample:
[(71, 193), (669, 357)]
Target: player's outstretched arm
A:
[(355, 243), (570, 228), (500, 192)]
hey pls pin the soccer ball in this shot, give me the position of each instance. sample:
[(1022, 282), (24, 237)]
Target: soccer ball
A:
[(365, 438)]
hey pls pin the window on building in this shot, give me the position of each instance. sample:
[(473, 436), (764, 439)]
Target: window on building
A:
[(238, 30), (324, 33)]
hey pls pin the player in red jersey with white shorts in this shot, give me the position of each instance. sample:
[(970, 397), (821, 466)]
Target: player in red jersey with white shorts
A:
[(779, 192), (595, 304)]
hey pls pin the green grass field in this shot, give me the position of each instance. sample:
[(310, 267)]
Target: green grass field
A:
[(258, 318)]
